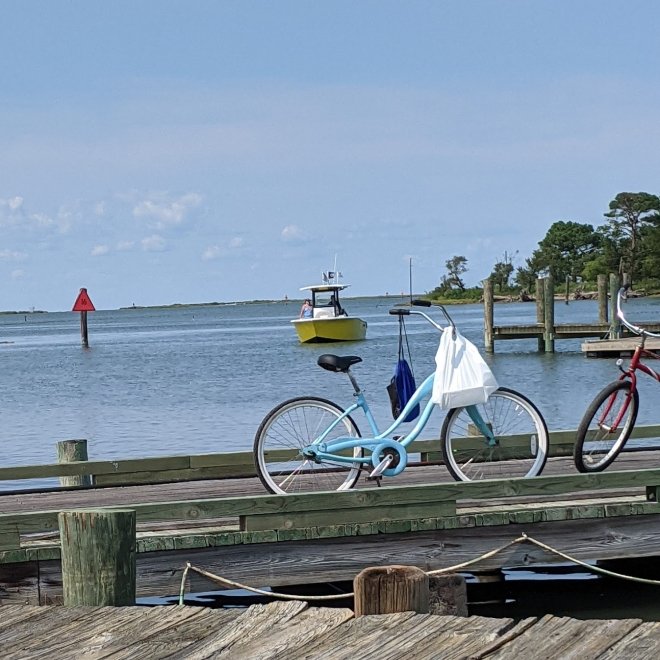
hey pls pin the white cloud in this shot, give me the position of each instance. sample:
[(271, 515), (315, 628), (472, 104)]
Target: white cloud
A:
[(17, 274), (292, 234), (153, 243), (211, 252), (12, 255), (217, 251), (165, 212), (99, 250), (124, 246), (15, 203)]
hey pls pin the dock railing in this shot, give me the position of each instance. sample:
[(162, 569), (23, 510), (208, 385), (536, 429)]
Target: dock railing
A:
[(229, 465)]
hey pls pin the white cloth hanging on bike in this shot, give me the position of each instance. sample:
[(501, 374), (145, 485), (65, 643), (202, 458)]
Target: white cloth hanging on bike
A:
[(462, 377)]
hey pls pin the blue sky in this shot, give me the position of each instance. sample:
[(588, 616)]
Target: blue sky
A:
[(161, 151)]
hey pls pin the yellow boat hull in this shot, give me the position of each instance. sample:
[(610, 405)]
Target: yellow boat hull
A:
[(338, 328)]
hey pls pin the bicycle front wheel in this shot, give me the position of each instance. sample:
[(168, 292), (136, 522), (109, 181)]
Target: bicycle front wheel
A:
[(521, 439), (606, 426), (286, 431)]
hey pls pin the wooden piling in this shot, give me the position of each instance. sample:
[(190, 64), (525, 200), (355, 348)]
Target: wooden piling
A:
[(84, 335), (615, 325), (448, 595), (602, 298), (549, 315), (69, 451), (98, 557), (390, 589), (489, 340), (540, 309), (568, 282)]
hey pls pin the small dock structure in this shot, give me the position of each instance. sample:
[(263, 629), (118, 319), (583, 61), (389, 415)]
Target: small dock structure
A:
[(546, 332)]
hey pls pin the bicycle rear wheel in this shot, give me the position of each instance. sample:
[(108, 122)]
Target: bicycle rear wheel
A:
[(290, 427), (521, 436), (606, 426)]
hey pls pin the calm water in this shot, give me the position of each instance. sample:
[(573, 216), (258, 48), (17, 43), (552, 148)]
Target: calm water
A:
[(197, 380)]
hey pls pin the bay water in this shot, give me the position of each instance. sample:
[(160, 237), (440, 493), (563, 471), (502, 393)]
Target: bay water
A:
[(199, 379)]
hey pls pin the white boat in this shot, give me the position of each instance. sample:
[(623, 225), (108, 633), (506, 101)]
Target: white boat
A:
[(328, 320)]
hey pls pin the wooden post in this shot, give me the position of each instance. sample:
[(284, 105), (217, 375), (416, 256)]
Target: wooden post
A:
[(390, 589), (448, 595), (615, 326), (568, 280), (540, 309), (489, 339), (602, 298), (98, 557), (549, 315), (69, 451), (84, 336)]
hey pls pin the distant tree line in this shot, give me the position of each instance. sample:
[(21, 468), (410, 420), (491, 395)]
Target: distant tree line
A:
[(628, 242)]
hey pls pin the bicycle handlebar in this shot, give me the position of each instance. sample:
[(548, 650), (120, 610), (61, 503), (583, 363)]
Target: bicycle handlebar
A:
[(402, 311), (621, 295)]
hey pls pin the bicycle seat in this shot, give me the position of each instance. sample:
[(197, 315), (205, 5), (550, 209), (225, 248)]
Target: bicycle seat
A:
[(338, 363)]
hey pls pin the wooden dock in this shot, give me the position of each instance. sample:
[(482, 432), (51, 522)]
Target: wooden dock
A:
[(295, 631), (619, 347), (546, 331), (229, 527)]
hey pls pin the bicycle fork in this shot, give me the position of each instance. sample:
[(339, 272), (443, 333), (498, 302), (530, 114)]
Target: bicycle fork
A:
[(484, 428), (622, 411)]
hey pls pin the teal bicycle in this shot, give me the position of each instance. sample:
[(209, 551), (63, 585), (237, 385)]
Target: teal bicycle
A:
[(309, 444)]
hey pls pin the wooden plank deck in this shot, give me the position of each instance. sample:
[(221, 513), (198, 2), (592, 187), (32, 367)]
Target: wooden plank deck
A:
[(231, 528), (293, 630), (618, 347)]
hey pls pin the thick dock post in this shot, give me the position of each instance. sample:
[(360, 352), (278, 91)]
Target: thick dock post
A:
[(602, 298), (69, 451), (615, 326), (390, 589), (448, 595), (98, 557), (549, 315), (540, 309), (489, 340)]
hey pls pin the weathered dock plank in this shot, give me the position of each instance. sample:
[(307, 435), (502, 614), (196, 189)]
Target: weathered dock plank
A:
[(296, 631)]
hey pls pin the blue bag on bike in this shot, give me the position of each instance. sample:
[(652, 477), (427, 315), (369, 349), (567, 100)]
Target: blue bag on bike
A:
[(402, 386)]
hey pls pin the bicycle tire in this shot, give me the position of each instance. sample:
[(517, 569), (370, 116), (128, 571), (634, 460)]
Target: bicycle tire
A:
[(292, 425), (518, 426), (596, 447)]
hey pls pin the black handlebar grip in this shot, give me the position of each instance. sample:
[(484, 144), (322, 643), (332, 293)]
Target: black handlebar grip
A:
[(399, 312), (421, 303)]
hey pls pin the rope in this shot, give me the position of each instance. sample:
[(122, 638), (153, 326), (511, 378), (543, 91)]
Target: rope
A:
[(523, 538)]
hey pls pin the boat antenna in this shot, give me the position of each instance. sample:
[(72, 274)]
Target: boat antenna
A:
[(410, 279)]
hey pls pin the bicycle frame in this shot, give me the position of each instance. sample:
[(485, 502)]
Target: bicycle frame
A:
[(319, 450), (630, 373), (635, 365)]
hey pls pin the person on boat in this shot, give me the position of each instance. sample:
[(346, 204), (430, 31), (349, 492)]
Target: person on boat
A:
[(336, 306), (306, 310)]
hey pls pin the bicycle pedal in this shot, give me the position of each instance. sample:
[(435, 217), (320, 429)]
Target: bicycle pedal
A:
[(376, 479), (381, 467)]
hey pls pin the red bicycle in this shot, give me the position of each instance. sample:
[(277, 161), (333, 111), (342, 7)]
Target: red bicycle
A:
[(610, 418)]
